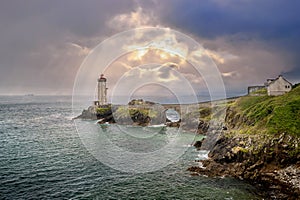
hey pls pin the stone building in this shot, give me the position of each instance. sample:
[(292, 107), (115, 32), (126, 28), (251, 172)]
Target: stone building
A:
[(274, 87), (278, 86), (253, 89)]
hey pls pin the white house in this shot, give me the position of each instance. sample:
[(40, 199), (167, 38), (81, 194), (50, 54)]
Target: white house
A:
[(278, 86)]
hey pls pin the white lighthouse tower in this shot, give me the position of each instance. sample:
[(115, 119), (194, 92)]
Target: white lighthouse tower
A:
[(102, 90)]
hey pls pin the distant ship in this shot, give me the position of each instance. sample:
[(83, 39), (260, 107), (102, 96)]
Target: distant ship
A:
[(29, 95)]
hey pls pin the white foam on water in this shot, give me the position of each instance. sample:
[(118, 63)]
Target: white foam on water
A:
[(157, 126), (203, 155)]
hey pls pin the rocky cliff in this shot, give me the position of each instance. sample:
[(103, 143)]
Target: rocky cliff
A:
[(261, 144), (269, 162)]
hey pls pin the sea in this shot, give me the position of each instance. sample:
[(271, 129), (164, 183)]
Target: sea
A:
[(44, 155)]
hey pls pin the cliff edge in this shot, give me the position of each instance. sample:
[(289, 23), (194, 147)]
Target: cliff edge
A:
[(261, 145)]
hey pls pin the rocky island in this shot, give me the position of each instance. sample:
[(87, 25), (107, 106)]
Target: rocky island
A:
[(138, 112)]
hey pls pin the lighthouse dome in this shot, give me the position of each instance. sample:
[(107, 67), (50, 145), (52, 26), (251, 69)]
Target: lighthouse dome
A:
[(101, 78)]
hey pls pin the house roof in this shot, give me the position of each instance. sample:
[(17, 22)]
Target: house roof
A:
[(254, 86), (274, 80)]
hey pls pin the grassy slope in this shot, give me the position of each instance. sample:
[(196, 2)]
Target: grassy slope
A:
[(272, 115)]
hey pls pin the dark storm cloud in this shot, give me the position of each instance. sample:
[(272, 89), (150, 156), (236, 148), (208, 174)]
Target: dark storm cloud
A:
[(276, 24), (267, 18)]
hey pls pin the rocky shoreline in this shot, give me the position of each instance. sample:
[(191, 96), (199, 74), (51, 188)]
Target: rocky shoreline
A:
[(260, 144), (271, 163)]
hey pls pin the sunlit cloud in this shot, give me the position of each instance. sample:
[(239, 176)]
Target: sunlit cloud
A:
[(125, 65), (134, 19), (162, 73), (230, 74), (171, 64), (82, 50), (166, 75), (138, 54), (215, 56)]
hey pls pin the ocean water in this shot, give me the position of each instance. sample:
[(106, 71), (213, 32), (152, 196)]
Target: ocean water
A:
[(43, 157)]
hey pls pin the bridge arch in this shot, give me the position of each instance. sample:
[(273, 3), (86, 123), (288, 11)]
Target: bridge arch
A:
[(172, 115), (175, 107)]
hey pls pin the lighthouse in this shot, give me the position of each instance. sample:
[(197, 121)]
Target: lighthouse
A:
[(102, 90)]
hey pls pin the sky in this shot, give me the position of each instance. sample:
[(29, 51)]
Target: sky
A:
[(43, 43)]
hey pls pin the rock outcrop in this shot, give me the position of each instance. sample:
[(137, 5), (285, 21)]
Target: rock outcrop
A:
[(137, 112), (90, 113), (133, 117), (270, 162)]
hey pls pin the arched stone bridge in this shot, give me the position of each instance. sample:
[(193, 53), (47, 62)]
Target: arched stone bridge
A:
[(182, 108), (175, 107)]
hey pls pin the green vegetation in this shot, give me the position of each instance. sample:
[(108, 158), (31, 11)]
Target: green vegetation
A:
[(202, 113), (236, 149), (124, 112), (140, 102), (144, 111), (296, 85), (103, 110), (280, 114), (205, 113), (260, 92)]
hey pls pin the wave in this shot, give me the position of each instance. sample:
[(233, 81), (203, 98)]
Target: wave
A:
[(157, 126), (203, 155)]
